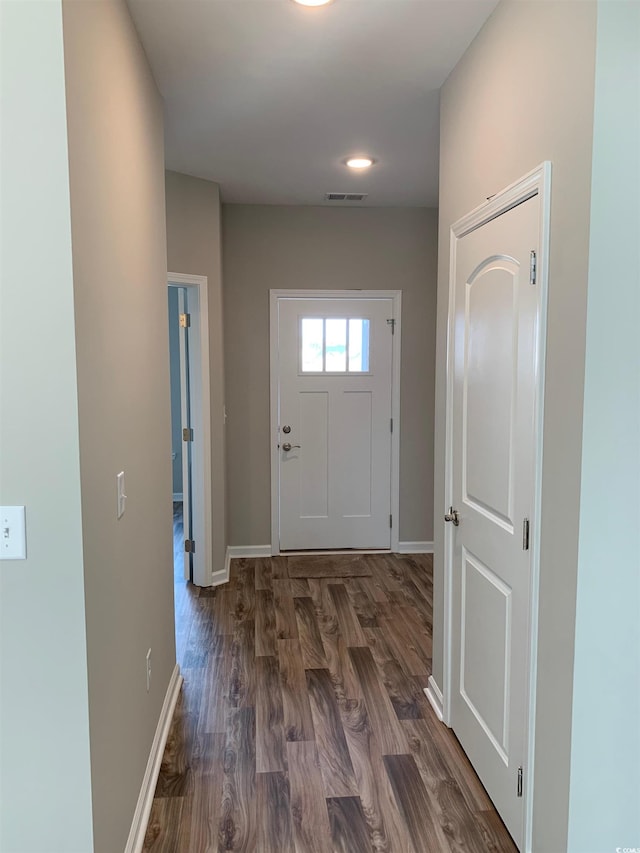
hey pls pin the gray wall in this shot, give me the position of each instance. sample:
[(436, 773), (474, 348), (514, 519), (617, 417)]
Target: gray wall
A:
[(194, 247), (44, 714), (176, 415), (268, 247), (523, 93), (116, 161), (605, 769)]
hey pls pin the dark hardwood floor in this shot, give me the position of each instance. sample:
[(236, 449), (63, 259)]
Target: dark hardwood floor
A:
[(302, 724)]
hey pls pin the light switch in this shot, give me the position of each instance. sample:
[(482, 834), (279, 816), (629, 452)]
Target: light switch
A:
[(122, 498), (13, 541)]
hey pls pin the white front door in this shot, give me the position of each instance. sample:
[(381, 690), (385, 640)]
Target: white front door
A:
[(493, 470), (334, 422)]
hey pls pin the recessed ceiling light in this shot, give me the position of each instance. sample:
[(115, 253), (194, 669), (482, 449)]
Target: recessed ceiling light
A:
[(359, 162), (312, 2)]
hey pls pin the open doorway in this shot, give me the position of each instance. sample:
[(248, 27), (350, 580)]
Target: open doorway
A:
[(180, 450), (190, 428)]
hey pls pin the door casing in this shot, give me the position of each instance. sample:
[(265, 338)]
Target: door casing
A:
[(536, 182), (201, 423), (396, 297)]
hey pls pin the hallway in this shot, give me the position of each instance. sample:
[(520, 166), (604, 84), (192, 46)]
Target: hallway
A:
[(302, 724)]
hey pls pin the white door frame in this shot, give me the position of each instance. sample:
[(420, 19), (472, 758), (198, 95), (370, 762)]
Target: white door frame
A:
[(197, 286), (396, 297), (536, 182), (185, 416)]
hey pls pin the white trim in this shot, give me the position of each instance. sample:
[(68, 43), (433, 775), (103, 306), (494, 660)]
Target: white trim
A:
[(395, 414), (177, 497), (447, 653), (221, 576), (235, 552), (536, 515), (187, 382), (201, 421), (536, 182), (273, 422), (434, 695), (415, 548), (396, 297), (145, 798), (326, 552)]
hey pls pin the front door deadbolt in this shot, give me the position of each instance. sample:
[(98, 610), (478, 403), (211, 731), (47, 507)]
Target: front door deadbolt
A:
[(453, 516)]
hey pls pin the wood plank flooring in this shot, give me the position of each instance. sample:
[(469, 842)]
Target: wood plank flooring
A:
[(302, 726)]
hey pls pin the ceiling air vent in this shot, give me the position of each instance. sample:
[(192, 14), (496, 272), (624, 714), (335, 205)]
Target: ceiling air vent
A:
[(346, 196)]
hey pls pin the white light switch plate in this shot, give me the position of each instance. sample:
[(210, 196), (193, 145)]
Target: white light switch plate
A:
[(13, 541), (122, 498)]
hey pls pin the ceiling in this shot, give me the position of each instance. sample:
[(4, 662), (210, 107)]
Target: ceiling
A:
[(269, 98)]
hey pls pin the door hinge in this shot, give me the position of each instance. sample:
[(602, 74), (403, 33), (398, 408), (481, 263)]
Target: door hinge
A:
[(533, 267), (190, 546), (390, 521), (525, 534), (392, 323), (391, 424), (185, 321), (519, 791), (187, 434)]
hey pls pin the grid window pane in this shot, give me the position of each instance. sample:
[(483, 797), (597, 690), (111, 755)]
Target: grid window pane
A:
[(335, 345), (358, 346), (312, 344)]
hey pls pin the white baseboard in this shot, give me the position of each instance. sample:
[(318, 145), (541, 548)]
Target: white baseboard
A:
[(145, 800), (236, 551), (330, 553), (248, 551), (434, 695), (177, 497), (222, 575), (415, 547)]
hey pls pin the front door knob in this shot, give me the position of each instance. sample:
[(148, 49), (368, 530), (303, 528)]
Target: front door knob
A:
[(286, 446), (453, 516)]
